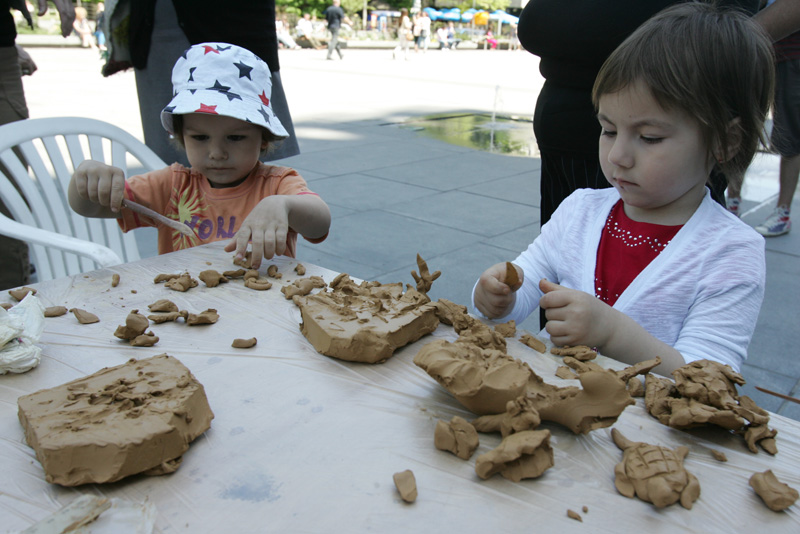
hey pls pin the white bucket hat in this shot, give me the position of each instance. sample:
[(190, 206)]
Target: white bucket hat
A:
[(222, 79)]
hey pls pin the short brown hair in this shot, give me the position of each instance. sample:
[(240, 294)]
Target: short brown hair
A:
[(715, 64), (177, 126)]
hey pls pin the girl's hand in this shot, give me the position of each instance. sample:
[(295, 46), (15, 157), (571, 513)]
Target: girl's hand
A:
[(100, 184), (575, 317), (493, 297), (267, 227)]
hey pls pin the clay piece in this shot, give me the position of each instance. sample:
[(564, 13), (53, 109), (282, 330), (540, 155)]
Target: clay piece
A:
[(210, 316), (719, 455), (452, 314), (366, 322), (581, 353), (21, 293), (512, 277), (114, 280), (458, 436), (424, 279), (212, 278), (300, 269), (84, 317), (246, 261), (238, 273), (406, 485), (572, 514), (654, 474), (135, 325), (272, 272), (521, 455), (704, 393), (508, 329), (303, 286), (239, 343), (164, 277), (182, 283), (55, 311), (520, 415), (533, 342), (259, 284), (565, 373), (159, 318), (138, 417), (144, 340), (6, 305), (163, 305), (635, 387), (775, 494)]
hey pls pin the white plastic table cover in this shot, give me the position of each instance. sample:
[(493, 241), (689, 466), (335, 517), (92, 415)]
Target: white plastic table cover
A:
[(306, 443)]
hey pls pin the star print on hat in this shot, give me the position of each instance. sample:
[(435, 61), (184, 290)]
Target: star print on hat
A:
[(222, 79)]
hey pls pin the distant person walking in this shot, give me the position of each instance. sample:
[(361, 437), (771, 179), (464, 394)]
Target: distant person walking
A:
[(404, 35), (334, 15)]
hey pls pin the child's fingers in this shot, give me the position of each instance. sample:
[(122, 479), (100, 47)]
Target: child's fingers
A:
[(241, 239)]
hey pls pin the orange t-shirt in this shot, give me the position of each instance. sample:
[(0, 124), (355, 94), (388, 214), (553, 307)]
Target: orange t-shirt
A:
[(213, 214)]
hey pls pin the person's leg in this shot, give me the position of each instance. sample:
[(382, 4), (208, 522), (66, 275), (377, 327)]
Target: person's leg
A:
[(789, 172), (15, 267)]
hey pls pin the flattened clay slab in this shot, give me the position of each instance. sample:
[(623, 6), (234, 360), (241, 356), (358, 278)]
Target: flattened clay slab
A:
[(525, 454), (367, 322), (775, 494), (119, 421)]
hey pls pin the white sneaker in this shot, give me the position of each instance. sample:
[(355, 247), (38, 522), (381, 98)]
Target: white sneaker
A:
[(732, 203), (776, 224)]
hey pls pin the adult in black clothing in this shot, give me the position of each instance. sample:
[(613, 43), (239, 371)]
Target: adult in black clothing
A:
[(573, 38), (14, 262), (334, 15), (160, 31)]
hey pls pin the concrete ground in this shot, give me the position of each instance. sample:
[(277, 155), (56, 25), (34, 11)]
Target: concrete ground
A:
[(395, 192)]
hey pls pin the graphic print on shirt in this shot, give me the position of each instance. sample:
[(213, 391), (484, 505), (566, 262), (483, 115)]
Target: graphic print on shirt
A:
[(189, 206)]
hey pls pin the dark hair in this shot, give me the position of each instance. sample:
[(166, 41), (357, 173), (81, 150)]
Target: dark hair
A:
[(177, 126), (717, 65)]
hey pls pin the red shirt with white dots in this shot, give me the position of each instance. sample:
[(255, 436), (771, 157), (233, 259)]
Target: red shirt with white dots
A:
[(626, 248)]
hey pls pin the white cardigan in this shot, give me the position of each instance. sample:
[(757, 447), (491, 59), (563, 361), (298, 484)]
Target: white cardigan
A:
[(701, 295)]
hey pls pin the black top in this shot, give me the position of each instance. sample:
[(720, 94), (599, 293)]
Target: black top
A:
[(334, 16), (573, 38)]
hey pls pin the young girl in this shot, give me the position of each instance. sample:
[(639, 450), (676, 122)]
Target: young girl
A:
[(653, 266), (221, 115)]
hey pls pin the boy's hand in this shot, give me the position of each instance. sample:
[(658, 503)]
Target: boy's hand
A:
[(267, 227), (100, 183), (575, 317), (493, 297)]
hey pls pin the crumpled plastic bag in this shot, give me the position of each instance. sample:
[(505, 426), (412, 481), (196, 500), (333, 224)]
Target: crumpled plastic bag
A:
[(20, 328)]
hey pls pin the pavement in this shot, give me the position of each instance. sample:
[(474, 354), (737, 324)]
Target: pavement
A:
[(395, 191)]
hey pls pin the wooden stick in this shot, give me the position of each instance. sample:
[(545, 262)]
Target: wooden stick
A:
[(166, 221), (779, 395)]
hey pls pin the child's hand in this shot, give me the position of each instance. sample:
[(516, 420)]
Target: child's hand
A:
[(575, 317), (493, 297), (99, 183), (267, 227)]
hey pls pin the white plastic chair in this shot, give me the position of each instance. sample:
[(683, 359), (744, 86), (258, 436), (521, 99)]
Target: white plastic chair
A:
[(62, 242)]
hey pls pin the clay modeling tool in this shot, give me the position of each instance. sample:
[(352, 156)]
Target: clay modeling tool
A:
[(166, 221), (779, 395)]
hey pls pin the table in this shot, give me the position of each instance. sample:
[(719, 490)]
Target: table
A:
[(306, 443)]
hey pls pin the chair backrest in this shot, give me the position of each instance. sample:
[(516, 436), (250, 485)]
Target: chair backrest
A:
[(41, 155)]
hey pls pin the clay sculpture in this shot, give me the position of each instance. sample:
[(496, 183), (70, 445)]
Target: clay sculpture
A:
[(654, 474), (138, 417), (704, 393), (458, 436), (364, 322), (424, 279), (521, 455), (775, 494)]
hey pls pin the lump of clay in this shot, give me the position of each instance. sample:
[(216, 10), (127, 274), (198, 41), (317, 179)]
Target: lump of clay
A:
[(21, 292), (406, 485), (212, 278), (246, 261), (581, 353), (520, 415), (300, 269), (163, 305), (457, 436), (164, 277), (239, 343), (114, 280), (144, 340), (272, 272), (210, 316), (522, 455), (117, 422), (253, 281), (84, 317), (135, 325), (704, 393), (508, 329), (303, 286), (182, 283), (159, 318), (512, 277), (424, 279), (534, 343), (366, 322), (654, 474), (55, 311), (775, 494), (238, 273)]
